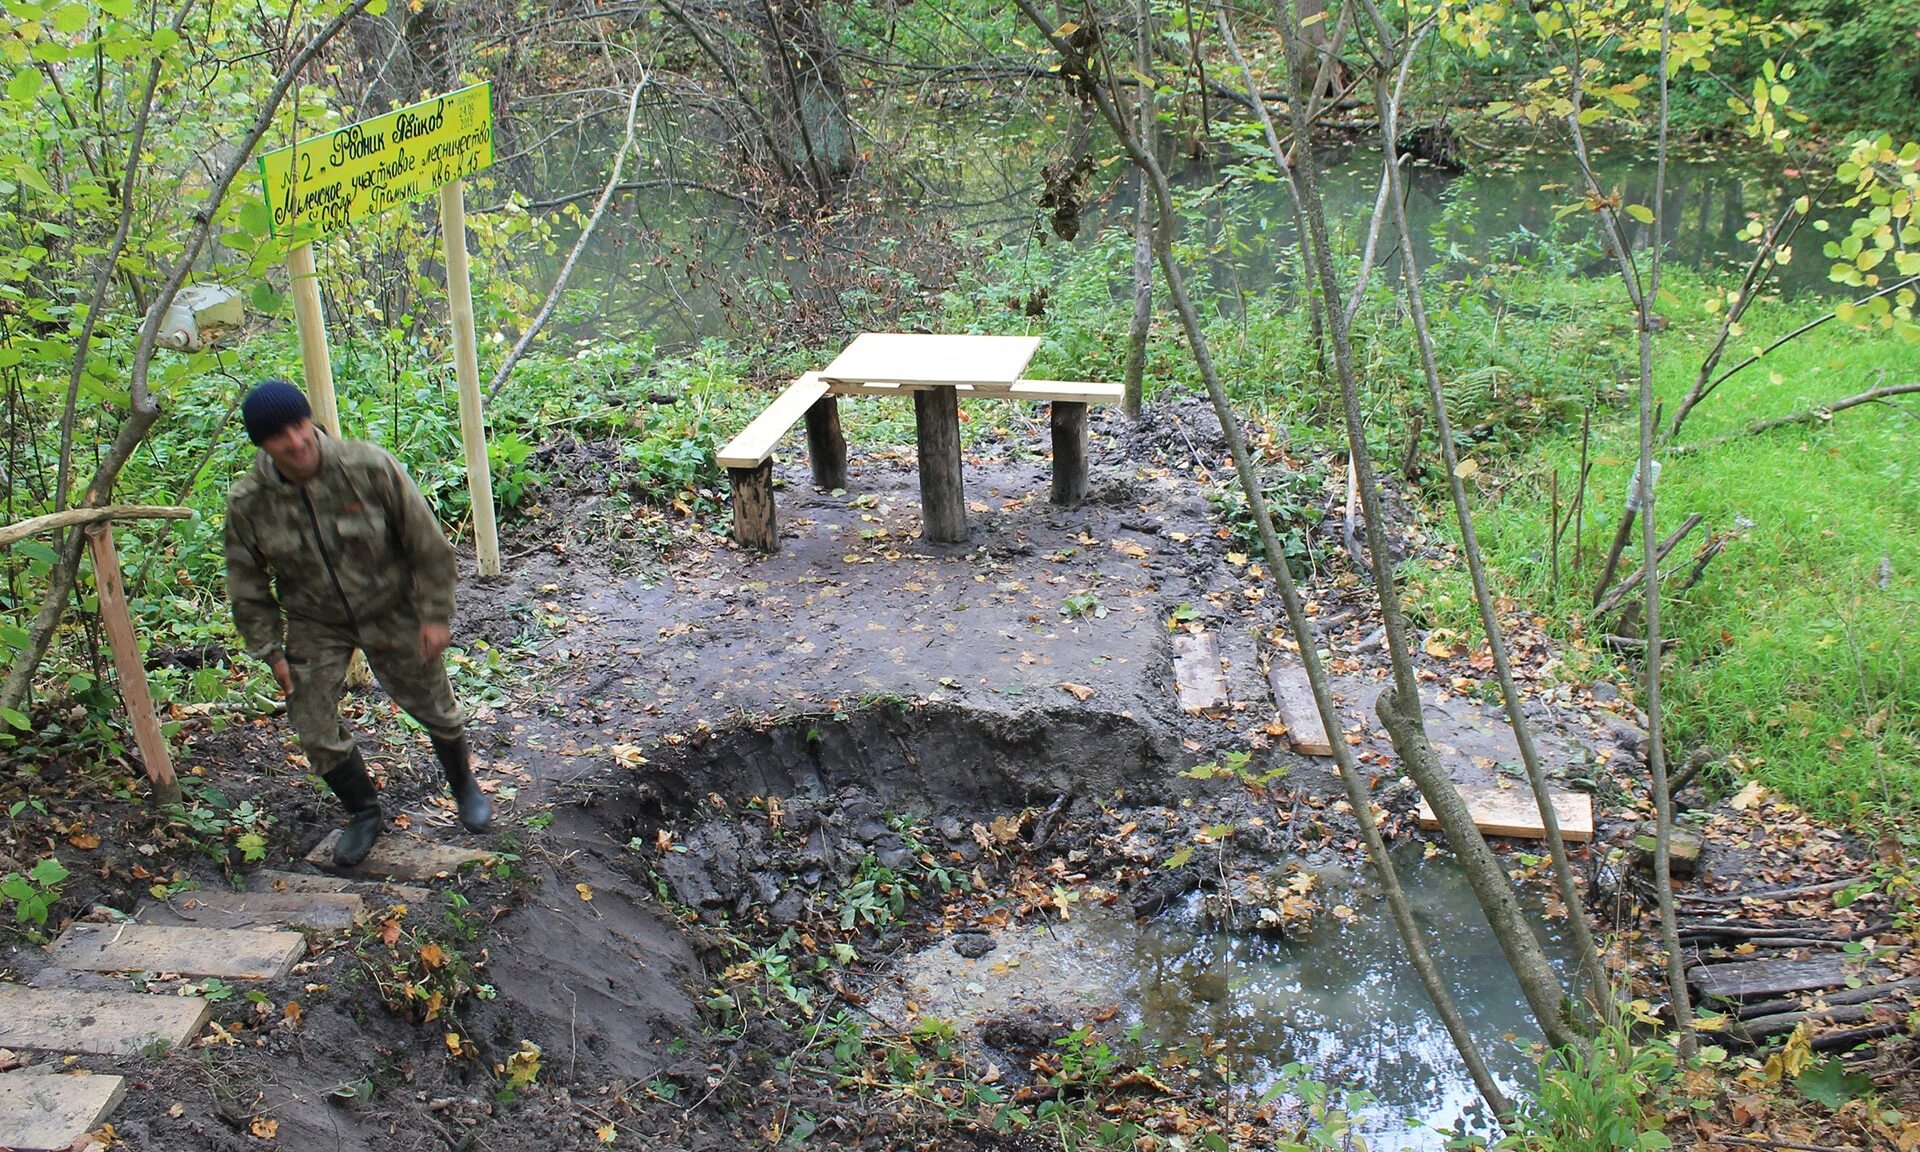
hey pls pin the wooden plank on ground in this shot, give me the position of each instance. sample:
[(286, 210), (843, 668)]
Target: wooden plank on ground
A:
[(40, 1113), (374, 891), (1199, 681), (323, 911), (100, 1023), (399, 857), (1750, 978), (1510, 811), (912, 358), (229, 953), (1293, 696), (755, 442)]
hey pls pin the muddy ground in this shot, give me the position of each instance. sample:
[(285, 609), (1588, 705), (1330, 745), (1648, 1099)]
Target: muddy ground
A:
[(705, 761)]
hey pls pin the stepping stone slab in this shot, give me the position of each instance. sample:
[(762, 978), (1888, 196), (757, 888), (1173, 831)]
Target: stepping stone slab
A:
[(100, 1023), (1511, 811), (401, 857), (1198, 679), (1293, 695), (322, 911), (229, 953), (40, 1113)]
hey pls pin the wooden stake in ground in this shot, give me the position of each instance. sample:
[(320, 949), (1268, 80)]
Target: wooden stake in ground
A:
[(147, 734), (473, 423)]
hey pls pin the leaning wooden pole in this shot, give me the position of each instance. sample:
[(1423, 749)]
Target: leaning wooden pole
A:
[(473, 423), (147, 733)]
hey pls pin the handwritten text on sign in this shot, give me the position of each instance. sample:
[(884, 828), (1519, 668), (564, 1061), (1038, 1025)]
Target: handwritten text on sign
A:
[(323, 184)]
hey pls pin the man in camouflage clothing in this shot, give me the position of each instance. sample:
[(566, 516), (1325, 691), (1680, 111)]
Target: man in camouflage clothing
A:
[(331, 547)]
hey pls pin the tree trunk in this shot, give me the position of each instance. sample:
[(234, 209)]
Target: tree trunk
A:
[(1399, 707), (1133, 390), (811, 123)]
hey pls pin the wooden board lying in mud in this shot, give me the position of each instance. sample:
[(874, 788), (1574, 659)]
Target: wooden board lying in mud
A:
[(1199, 682), (1510, 811), (1752, 978), (102, 1023), (1293, 696), (49, 1111), (229, 953), (399, 856)]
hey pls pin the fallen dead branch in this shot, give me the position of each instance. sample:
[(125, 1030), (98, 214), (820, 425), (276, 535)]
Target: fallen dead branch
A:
[(1807, 416), (1618, 594), (14, 533)]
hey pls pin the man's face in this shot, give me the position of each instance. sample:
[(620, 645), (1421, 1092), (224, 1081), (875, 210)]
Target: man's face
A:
[(295, 450)]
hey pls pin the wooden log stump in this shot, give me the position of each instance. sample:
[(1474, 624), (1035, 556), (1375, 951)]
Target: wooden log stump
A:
[(826, 446), (943, 500), (754, 523), (1069, 421)]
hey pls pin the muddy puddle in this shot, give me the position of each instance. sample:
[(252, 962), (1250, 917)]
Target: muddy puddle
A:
[(1338, 997)]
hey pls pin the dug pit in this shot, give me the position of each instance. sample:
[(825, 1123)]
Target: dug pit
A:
[(1018, 876)]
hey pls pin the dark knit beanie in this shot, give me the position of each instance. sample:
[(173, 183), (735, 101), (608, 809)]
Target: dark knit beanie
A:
[(272, 406)]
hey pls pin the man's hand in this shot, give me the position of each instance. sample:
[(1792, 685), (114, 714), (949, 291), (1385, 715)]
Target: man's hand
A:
[(284, 675), (434, 639)]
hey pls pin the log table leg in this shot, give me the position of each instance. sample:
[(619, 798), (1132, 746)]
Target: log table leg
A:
[(826, 447), (943, 500), (754, 523), (1069, 421)]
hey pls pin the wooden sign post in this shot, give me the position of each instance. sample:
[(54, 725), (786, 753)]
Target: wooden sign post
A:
[(326, 183), (310, 319), (466, 365)]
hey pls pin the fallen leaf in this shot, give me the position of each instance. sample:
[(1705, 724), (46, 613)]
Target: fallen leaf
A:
[(85, 841), (432, 955), (390, 932), (453, 1043), (585, 890), (264, 1128), (607, 1133), (1080, 691), (1749, 796), (293, 1012)]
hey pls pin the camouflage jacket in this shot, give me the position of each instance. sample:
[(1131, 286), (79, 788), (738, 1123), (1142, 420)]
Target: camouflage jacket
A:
[(348, 547)]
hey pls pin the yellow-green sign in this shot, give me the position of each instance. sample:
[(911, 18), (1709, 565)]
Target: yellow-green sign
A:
[(323, 184)]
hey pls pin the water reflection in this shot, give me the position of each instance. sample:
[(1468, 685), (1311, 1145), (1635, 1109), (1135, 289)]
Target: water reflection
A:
[(1343, 1000)]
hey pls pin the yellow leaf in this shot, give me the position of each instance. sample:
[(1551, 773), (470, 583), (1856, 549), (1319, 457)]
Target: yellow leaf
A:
[(607, 1133), (1080, 691), (1750, 796), (1236, 558), (1467, 469), (264, 1128), (1640, 212), (453, 1043), (586, 891), (432, 955)]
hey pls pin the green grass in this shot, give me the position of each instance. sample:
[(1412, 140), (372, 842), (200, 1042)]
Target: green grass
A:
[(1792, 656)]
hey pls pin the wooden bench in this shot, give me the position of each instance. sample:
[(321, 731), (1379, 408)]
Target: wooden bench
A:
[(748, 457)]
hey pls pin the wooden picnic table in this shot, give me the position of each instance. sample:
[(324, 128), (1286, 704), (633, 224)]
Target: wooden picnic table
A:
[(937, 370)]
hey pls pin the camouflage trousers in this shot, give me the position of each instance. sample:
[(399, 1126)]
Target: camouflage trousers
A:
[(317, 658)]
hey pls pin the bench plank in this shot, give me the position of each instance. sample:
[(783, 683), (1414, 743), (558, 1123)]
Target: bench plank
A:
[(1067, 391), (754, 444)]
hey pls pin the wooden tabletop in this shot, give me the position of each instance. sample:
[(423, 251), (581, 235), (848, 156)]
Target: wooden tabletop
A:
[(919, 360)]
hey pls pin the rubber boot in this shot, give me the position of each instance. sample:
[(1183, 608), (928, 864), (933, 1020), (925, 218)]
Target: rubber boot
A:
[(476, 811), (365, 822)]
